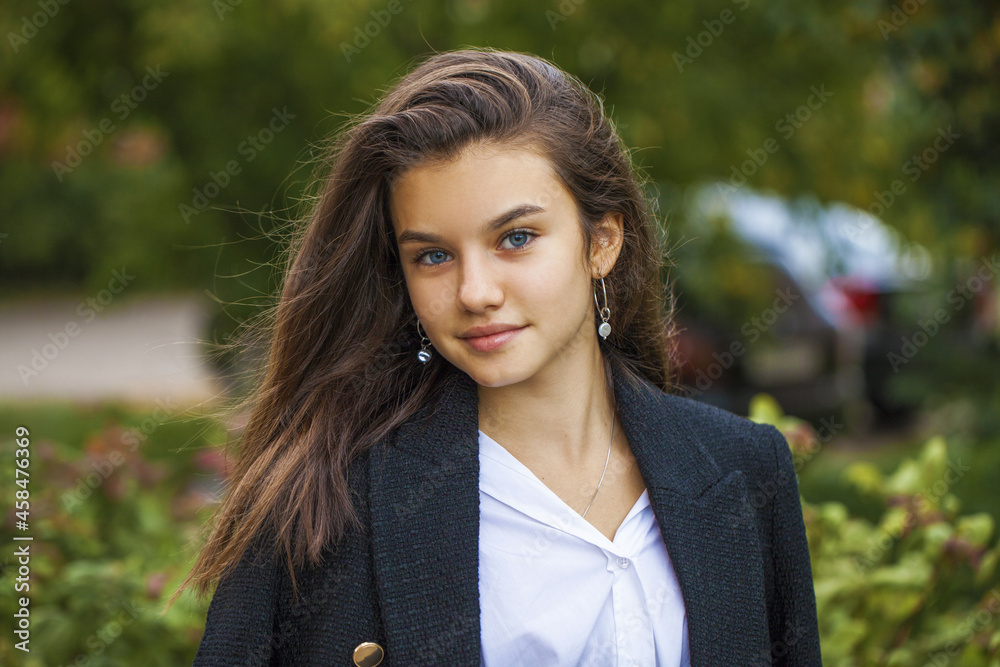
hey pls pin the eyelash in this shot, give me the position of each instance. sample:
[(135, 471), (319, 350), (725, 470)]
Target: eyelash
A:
[(428, 251)]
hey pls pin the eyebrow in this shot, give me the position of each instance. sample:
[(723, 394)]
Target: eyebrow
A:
[(412, 236)]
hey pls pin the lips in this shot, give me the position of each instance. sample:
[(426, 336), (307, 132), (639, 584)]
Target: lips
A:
[(488, 330), (492, 341)]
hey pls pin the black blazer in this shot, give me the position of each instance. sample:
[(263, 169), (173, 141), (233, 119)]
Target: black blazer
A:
[(723, 490)]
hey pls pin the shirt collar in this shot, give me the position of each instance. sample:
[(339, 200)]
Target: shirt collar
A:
[(669, 452)]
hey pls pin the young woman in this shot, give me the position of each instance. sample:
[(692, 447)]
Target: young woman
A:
[(465, 450)]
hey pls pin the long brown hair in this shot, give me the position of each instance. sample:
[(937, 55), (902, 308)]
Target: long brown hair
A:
[(341, 372)]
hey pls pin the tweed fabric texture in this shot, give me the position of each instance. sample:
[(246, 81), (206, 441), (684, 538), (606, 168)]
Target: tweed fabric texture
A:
[(723, 489)]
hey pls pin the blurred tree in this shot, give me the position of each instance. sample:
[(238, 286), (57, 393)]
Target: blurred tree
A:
[(151, 136)]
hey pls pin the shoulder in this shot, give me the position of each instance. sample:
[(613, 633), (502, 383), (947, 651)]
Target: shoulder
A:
[(735, 442)]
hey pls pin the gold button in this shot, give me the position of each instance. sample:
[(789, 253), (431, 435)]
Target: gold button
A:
[(368, 654)]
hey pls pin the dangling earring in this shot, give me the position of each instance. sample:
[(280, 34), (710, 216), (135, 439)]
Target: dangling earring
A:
[(604, 328), (424, 355)]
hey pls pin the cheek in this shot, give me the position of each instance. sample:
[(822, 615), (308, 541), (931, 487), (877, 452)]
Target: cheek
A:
[(554, 287), (421, 303), (431, 299)]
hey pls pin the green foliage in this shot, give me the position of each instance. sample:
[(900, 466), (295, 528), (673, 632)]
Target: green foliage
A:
[(917, 586), (693, 113), (115, 496)]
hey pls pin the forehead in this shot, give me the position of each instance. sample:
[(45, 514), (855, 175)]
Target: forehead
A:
[(477, 184)]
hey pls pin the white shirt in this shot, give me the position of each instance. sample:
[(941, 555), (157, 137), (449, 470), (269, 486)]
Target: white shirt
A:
[(554, 590)]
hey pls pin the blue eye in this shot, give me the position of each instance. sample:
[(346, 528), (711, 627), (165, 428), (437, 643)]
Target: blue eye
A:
[(432, 253), (519, 233)]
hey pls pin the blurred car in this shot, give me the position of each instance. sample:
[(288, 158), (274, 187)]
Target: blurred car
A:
[(842, 271)]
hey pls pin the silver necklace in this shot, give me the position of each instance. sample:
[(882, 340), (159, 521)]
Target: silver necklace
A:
[(605, 466)]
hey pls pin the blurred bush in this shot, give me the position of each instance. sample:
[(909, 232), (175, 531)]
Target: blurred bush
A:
[(115, 495), (919, 585), (104, 165)]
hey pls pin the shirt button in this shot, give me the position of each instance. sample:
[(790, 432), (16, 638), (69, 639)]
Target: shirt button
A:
[(623, 562)]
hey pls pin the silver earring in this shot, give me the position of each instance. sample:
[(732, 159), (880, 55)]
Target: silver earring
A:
[(424, 355), (604, 328)]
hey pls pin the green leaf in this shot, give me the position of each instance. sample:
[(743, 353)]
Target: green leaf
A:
[(976, 528), (865, 476), (765, 409)]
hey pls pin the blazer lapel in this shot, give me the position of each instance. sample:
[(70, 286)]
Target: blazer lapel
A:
[(425, 532), (425, 528), (706, 522)]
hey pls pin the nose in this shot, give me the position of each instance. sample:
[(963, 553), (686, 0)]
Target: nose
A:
[(479, 285)]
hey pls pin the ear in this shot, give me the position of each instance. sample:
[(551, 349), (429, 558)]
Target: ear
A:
[(608, 240)]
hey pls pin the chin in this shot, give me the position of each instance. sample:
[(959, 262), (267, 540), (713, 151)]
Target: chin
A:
[(494, 373)]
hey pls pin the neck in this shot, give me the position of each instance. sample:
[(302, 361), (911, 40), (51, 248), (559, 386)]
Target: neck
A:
[(562, 417)]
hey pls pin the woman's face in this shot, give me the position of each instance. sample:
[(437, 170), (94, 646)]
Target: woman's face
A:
[(493, 238)]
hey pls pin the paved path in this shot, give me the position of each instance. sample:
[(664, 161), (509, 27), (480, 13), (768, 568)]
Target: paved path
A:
[(140, 350)]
